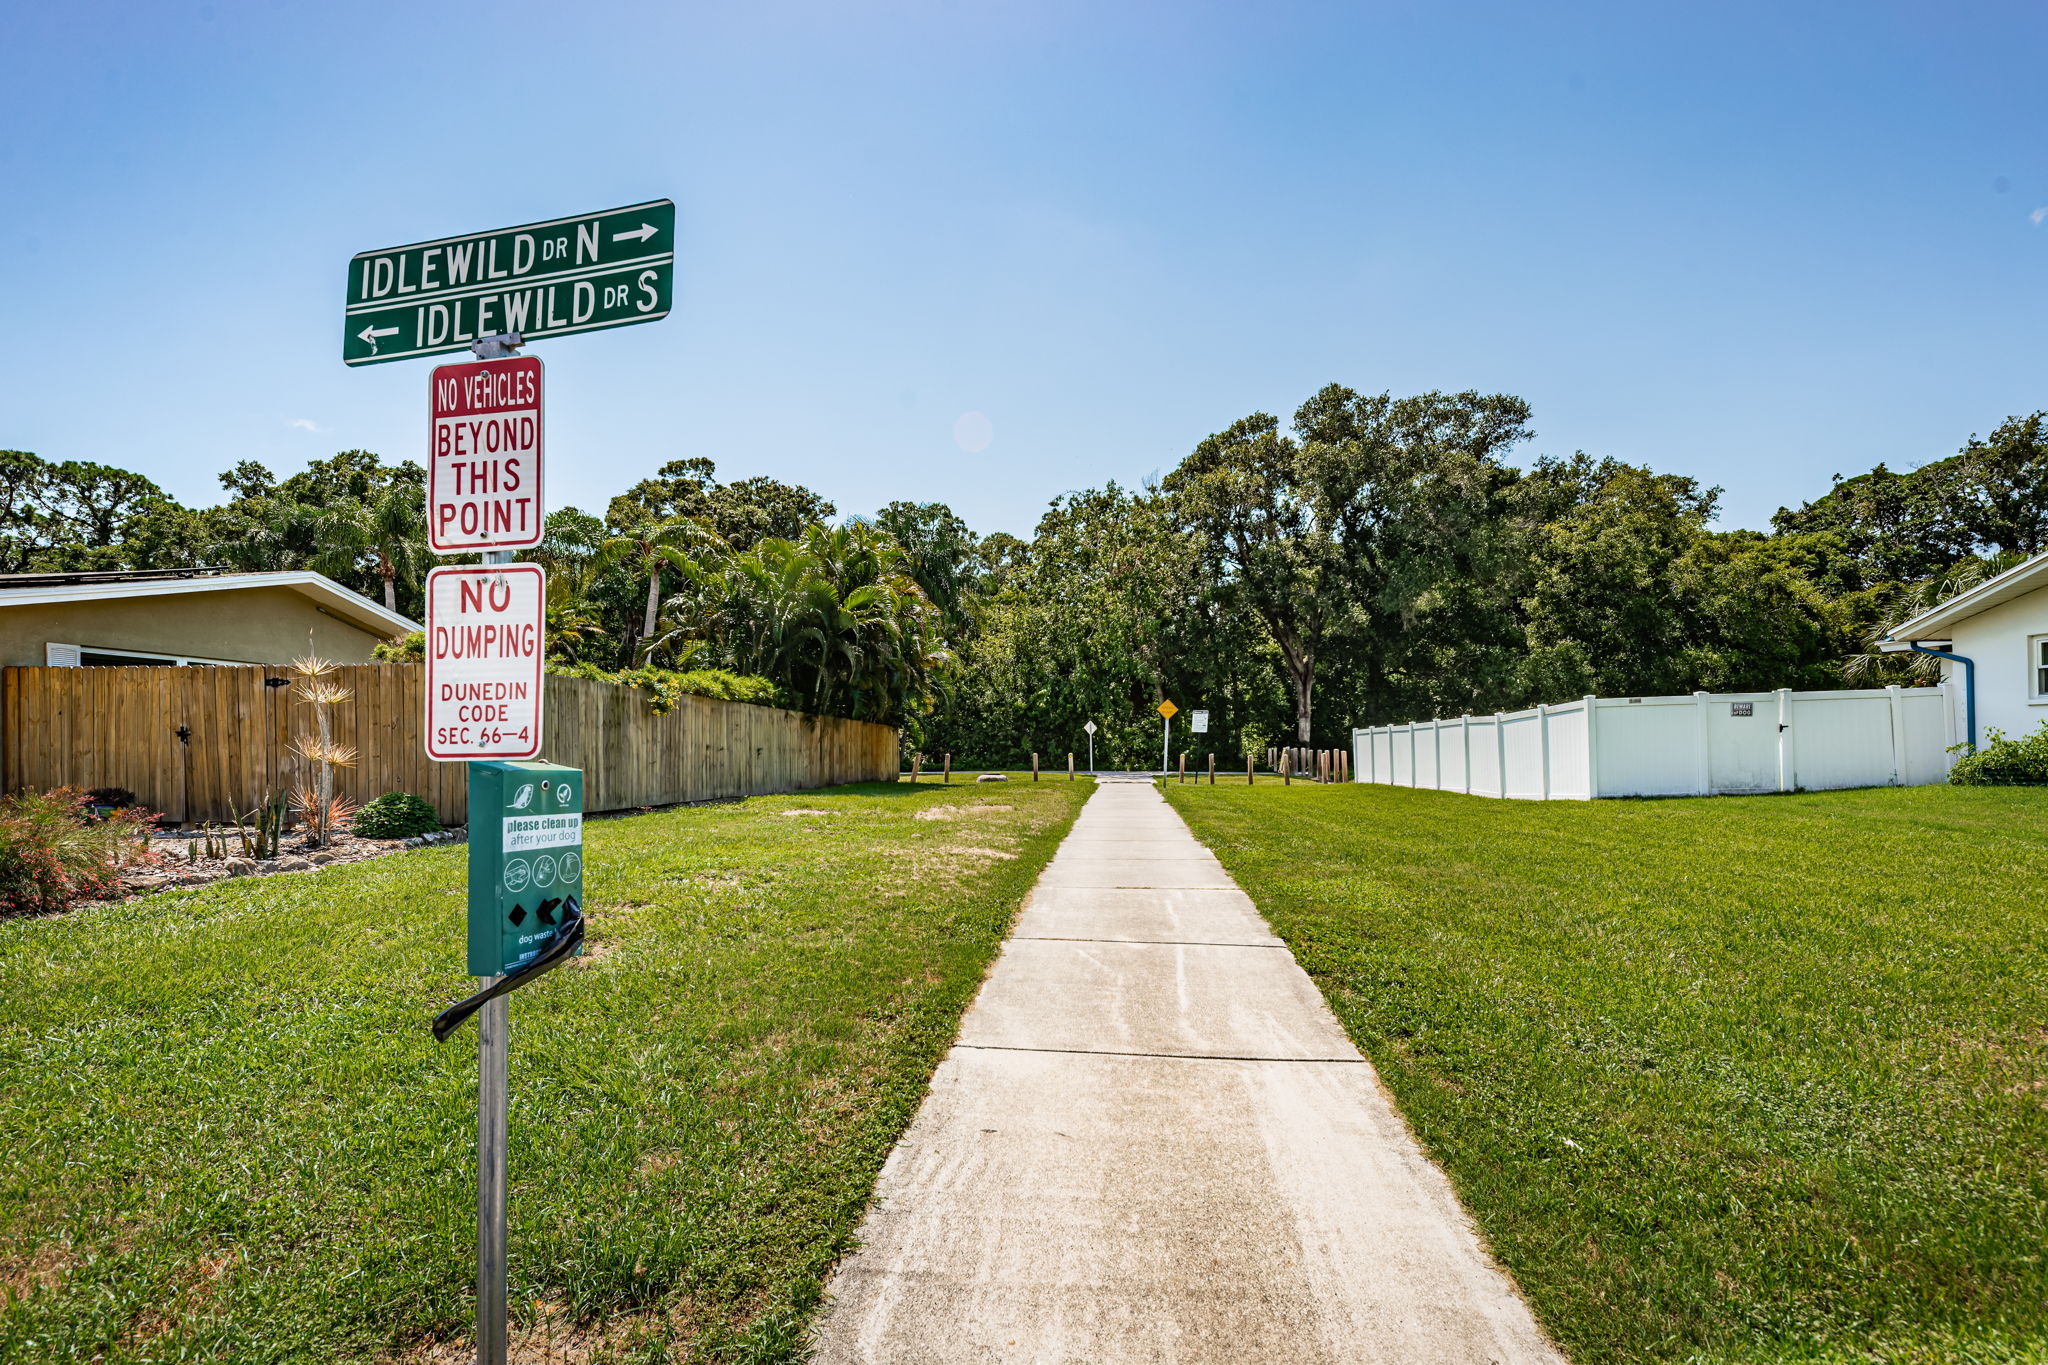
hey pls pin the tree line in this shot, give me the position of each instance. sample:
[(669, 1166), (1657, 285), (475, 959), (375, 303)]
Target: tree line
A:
[(1372, 559)]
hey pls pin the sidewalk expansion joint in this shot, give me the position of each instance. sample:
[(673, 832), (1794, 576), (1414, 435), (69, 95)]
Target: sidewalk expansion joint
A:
[(1162, 1056)]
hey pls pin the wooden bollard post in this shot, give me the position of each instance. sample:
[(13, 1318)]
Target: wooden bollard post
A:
[(1286, 773), (1183, 770), (1212, 769), (1248, 779), (1070, 765), (916, 762), (1034, 767), (949, 769)]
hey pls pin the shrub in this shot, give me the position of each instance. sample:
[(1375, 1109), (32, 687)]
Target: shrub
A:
[(2003, 762), (54, 851), (395, 815), (667, 685), (410, 648)]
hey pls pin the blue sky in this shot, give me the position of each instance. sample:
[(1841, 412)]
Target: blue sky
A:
[(1759, 244)]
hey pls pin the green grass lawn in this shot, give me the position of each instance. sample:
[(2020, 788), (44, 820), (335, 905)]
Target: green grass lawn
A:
[(227, 1134), (1744, 1079)]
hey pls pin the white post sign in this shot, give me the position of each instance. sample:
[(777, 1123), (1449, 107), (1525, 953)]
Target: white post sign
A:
[(483, 456), (486, 642), (1198, 721)]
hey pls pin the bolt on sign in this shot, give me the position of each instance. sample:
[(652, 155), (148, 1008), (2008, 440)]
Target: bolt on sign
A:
[(582, 274), (485, 644), (484, 456), (525, 861)]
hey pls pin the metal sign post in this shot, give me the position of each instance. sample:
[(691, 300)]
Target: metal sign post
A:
[(491, 293), (1090, 728), (1166, 714)]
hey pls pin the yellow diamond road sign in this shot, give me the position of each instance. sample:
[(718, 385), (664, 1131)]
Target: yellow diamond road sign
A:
[(1167, 709)]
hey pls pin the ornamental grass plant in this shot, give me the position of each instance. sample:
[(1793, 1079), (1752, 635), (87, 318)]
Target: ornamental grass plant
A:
[(55, 850)]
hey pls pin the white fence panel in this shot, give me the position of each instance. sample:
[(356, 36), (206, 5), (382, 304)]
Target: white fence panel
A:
[(1486, 764), (1451, 765), (1842, 739), (1522, 736), (1704, 744), (1426, 755), (1649, 746), (1929, 733), (1571, 778)]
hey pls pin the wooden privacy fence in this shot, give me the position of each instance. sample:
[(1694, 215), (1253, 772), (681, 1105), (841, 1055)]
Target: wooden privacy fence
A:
[(208, 743)]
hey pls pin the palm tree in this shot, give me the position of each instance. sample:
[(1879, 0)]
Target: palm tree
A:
[(392, 530), (834, 620), (1874, 667), (650, 549)]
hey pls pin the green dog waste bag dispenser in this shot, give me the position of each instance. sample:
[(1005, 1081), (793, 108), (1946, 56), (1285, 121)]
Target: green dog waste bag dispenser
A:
[(525, 861)]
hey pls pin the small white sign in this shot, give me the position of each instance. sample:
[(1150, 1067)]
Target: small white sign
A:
[(1198, 721), (524, 832), (486, 641), (1089, 727)]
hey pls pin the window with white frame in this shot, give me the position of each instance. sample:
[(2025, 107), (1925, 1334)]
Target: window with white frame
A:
[(88, 656), (2038, 648)]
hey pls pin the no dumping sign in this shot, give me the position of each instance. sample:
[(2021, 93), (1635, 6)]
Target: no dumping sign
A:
[(485, 645)]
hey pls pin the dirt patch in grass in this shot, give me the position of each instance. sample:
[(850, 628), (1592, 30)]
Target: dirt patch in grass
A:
[(43, 1268), (962, 812)]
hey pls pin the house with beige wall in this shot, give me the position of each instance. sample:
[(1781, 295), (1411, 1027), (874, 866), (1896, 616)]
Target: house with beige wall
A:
[(187, 616)]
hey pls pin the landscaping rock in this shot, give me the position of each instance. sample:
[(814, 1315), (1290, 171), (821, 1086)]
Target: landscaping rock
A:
[(320, 859), (293, 864), (240, 867)]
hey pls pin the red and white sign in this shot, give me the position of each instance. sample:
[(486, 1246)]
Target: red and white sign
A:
[(486, 641), (483, 456)]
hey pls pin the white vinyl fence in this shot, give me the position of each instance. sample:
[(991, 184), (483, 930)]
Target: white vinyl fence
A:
[(1707, 744)]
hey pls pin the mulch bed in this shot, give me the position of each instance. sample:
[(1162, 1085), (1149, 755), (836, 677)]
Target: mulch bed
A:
[(177, 867)]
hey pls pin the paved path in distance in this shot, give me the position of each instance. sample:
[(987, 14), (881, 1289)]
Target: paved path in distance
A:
[(1152, 1142)]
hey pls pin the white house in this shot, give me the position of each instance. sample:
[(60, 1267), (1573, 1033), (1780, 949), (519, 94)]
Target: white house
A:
[(1993, 644)]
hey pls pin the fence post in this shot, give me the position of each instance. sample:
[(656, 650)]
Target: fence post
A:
[(916, 762), (1948, 724), (1500, 751), (1898, 705), (1465, 733), (1543, 749), (1592, 746), (1704, 749), (1787, 777)]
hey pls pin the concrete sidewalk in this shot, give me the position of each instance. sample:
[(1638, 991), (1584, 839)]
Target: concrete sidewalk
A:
[(1153, 1142)]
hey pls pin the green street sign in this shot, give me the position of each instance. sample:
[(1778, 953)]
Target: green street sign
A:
[(581, 274), (525, 860)]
